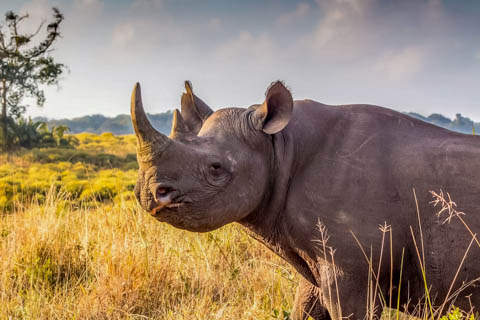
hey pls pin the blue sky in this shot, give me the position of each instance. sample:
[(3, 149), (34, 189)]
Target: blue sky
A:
[(408, 55)]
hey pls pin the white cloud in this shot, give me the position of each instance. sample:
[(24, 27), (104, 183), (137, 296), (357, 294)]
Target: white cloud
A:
[(331, 28), (90, 4), (343, 31), (477, 55), (148, 4), (402, 64), (123, 34), (214, 23), (360, 31), (36, 8), (300, 11), (434, 4), (246, 45), (353, 6)]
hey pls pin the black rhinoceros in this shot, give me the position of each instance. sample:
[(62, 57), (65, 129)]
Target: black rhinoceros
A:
[(283, 169)]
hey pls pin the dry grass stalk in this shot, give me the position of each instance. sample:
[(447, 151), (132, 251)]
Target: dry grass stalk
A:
[(335, 277), (370, 267), (422, 262), (322, 242), (428, 302), (400, 285), (384, 229), (455, 277), (449, 207)]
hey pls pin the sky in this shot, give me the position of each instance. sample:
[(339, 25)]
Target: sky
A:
[(408, 55)]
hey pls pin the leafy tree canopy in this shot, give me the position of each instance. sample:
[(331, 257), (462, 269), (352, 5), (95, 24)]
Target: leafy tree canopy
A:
[(25, 64)]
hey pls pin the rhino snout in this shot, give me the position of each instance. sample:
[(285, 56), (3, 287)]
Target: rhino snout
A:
[(163, 194)]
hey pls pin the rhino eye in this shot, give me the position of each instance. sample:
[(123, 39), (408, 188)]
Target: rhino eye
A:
[(216, 170), (216, 174), (215, 166)]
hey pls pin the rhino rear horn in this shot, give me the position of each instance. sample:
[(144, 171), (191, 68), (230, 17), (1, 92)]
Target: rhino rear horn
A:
[(194, 110), (180, 130), (150, 142)]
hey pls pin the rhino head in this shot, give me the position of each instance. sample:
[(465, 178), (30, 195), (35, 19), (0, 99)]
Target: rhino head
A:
[(215, 167)]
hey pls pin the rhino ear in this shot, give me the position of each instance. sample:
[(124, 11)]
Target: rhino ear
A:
[(273, 115), (194, 110)]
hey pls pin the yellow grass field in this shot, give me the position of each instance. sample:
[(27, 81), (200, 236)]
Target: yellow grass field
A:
[(74, 244)]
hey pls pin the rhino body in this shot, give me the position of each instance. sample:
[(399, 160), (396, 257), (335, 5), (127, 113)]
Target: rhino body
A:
[(296, 172)]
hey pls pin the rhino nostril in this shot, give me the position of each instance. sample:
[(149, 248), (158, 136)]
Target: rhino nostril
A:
[(162, 193)]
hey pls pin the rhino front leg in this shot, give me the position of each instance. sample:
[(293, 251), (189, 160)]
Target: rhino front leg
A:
[(308, 304), (324, 303), (352, 296)]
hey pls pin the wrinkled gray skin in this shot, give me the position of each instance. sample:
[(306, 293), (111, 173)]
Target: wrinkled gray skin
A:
[(282, 167)]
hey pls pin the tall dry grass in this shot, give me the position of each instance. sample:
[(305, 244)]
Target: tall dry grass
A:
[(425, 307), (116, 262)]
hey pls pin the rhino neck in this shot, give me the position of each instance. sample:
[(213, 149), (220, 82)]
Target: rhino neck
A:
[(266, 218), (265, 224)]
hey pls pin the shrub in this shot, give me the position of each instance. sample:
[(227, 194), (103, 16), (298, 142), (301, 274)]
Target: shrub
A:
[(79, 182), (456, 314)]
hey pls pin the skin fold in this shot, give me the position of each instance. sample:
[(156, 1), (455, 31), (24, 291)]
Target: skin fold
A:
[(296, 172)]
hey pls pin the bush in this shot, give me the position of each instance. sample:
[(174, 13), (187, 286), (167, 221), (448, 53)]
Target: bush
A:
[(456, 314), (100, 169), (79, 182), (100, 160)]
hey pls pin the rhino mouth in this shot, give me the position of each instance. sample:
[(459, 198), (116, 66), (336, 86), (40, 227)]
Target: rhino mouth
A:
[(157, 211), (173, 205), (167, 206)]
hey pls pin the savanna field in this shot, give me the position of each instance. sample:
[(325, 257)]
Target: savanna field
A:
[(74, 244), (323, 181)]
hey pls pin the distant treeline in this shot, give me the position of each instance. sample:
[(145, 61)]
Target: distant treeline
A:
[(459, 124), (121, 124)]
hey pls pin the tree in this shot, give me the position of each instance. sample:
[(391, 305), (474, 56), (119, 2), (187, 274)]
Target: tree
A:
[(25, 64), (30, 134)]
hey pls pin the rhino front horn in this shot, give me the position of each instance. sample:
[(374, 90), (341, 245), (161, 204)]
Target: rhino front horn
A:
[(150, 142)]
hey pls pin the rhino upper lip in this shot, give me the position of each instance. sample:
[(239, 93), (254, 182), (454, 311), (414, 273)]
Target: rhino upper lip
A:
[(175, 204), (181, 199)]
